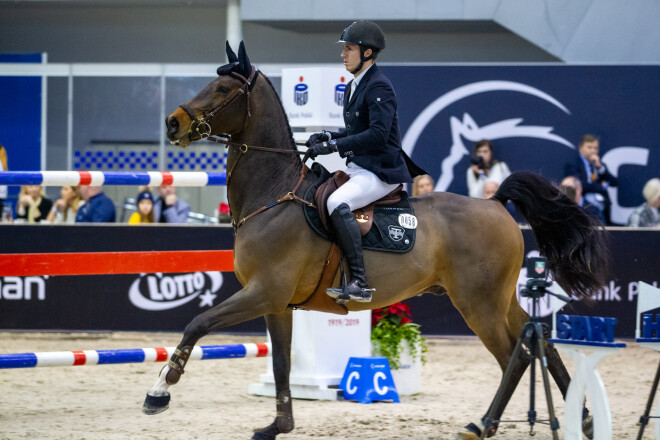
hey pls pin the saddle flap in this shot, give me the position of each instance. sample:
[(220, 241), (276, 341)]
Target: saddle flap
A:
[(364, 216), (323, 192)]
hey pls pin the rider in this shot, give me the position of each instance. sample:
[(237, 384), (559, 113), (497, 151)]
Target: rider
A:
[(371, 144)]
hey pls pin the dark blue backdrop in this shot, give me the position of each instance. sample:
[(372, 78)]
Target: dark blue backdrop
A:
[(617, 103), (20, 124)]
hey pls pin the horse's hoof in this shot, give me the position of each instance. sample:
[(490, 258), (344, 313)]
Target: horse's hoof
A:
[(267, 433), (467, 436), (155, 404), (262, 436), (588, 427)]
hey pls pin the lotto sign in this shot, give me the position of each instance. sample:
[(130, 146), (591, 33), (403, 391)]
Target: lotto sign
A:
[(313, 96)]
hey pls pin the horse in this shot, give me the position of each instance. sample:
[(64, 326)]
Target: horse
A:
[(469, 249)]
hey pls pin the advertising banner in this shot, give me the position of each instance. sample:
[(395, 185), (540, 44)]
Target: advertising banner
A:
[(314, 96), (168, 302), (535, 115)]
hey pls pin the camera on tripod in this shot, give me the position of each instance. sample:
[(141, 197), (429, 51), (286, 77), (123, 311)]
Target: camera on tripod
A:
[(536, 278)]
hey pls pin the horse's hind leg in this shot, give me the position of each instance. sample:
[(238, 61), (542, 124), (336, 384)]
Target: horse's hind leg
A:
[(279, 327), (499, 332)]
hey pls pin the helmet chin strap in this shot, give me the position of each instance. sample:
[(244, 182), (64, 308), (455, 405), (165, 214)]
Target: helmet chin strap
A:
[(363, 59)]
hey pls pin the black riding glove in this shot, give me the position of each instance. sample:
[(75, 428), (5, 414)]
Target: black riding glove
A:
[(324, 136), (321, 148)]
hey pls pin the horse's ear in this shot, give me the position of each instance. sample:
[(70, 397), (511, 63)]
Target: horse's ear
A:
[(231, 56), (243, 60)]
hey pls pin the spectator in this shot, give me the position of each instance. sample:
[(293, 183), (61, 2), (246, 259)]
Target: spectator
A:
[(490, 188), (646, 215), (593, 175), (168, 208), (145, 209), (65, 208), (423, 184), (98, 209), (484, 168), (33, 205), (3, 167), (224, 214), (572, 188)]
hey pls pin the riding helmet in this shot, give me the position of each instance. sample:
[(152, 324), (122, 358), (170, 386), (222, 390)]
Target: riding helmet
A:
[(363, 33)]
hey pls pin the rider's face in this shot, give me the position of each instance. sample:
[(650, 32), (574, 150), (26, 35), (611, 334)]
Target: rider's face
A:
[(351, 56)]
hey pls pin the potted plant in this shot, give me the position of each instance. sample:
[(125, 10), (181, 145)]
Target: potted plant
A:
[(395, 336)]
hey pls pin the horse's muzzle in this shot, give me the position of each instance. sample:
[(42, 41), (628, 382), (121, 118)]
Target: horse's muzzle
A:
[(172, 124)]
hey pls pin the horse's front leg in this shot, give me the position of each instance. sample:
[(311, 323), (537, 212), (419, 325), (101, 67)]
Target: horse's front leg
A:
[(279, 327), (248, 303)]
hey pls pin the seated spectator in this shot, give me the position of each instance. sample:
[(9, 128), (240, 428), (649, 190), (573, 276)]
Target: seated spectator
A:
[(646, 215), (145, 209), (490, 188), (33, 206), (98, 209), (572, 188), (224, 214), (66, 207), (593, 175), (3, 167), (484, 168), (423, 184), (168, 208)]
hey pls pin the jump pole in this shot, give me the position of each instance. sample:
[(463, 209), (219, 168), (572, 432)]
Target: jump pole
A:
[(128, 356), (99, 178)]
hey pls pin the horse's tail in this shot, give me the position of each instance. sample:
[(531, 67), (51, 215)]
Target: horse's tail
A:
[(575, 243)]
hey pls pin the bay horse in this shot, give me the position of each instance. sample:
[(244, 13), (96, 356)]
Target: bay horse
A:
[(469, 249)]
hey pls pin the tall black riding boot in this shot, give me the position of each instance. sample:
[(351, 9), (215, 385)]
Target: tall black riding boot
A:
[(350, 242)]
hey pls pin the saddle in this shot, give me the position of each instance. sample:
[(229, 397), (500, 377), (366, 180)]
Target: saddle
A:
[(364, 216)]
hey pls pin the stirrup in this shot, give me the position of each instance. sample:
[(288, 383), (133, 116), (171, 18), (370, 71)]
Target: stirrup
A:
[(342, 296)]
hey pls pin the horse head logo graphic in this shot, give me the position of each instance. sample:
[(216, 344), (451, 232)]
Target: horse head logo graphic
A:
[(468, 129)]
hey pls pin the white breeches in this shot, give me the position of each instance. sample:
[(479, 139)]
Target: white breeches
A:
[(363, 188)]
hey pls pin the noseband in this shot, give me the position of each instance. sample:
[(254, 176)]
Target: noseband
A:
[(202, 126)]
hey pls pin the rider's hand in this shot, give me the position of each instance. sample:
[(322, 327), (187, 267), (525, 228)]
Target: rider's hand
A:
[(320, 148), (318, 137)]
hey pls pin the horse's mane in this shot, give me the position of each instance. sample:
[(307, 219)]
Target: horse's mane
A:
[(292, 143)]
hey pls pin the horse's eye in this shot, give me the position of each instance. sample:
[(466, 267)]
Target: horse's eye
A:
[(223, 89)]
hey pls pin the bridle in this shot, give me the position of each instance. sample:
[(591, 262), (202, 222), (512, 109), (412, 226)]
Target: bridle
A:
[(202, 127)]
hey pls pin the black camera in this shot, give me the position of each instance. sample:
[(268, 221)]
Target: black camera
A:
[(478, 161), (536, 278)]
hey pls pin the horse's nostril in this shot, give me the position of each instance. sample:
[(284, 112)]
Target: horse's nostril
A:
[(173, 124)]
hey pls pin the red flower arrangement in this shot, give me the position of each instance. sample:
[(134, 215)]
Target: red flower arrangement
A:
[(390, 326), (398, 314)]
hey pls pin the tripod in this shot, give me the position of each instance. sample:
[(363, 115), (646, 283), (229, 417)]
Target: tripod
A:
[(532, 337)]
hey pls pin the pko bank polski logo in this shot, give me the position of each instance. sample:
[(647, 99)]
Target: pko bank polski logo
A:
[(300, 93), (157, 292), (339, 92)]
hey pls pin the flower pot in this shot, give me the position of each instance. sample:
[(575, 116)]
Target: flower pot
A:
[(408, 377)]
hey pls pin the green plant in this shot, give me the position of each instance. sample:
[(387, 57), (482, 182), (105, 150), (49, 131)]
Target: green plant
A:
[(390, 326)]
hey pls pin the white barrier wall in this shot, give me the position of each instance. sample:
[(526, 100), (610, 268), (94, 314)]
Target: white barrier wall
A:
[(321, 346)]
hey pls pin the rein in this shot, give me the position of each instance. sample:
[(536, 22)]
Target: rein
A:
[(291, 195), (202, 128)]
